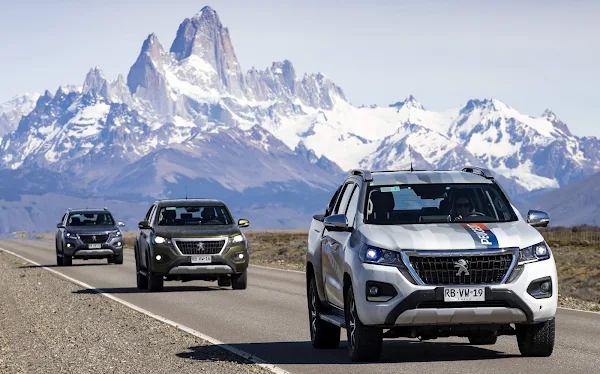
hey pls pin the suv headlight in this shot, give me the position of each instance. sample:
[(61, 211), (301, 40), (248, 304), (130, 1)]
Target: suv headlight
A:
[(116, 233), (161, 240), (71, 235), (238, 239), (537, 252), (374, 255)]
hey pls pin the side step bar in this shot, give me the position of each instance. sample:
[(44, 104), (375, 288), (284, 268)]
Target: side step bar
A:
[(334, 320), (335, 317)]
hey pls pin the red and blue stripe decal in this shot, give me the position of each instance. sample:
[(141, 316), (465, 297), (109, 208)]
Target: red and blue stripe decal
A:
[(481, 234)]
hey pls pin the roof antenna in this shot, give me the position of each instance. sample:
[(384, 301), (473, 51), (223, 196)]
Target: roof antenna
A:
[(410, 154), (186, 192)]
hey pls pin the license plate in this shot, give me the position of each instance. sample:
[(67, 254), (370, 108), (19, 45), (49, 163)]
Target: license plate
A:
[(94, 246), (464, 294), (203, 259)]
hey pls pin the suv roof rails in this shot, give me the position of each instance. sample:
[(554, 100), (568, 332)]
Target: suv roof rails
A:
[(366, 174), (398, 170), (486, 173)]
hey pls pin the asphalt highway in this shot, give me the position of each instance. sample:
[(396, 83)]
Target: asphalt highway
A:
[(269, 320)]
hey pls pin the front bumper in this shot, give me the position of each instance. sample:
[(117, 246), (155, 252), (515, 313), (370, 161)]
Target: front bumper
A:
[(74, 247), (173, 262), (416, 305)]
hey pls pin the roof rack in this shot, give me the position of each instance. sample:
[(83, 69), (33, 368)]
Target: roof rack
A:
[(486, 173), (362, 172)]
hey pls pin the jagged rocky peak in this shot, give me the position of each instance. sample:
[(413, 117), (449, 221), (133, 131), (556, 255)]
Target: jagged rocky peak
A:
[(94, 80), (409, 102), (205, 37), (560, 125)]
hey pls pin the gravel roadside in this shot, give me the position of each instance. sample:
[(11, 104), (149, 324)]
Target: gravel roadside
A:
[(47, 328)]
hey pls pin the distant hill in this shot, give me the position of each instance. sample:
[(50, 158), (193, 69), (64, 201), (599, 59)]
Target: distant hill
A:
[(577, 203)]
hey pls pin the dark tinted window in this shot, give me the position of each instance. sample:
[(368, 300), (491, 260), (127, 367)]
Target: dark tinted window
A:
[(193, 215), (437, 203), (90, 219)]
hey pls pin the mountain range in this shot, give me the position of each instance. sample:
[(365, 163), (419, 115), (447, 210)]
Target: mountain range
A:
[(271, 143)]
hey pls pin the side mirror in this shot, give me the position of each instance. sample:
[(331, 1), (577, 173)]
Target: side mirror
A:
[(337, 222), (144, 225), (538, 218), (121, 224), (60, 226), (243, 223)]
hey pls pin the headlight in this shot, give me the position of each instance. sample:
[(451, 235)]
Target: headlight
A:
[(238, 238), (161, 240), (71, 235), (116, 233), (374, 255), (537, 252)]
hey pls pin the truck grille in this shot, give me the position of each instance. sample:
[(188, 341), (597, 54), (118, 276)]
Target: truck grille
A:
[(200, 247), (93, 238), (446, 270)]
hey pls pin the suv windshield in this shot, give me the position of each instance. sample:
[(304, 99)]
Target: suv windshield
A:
[(437, 203), (90, 219), (193, 215)]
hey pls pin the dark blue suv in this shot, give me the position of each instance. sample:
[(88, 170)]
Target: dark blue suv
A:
[(89, 234)]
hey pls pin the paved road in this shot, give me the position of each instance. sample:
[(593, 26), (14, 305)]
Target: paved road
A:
[(269, 320)]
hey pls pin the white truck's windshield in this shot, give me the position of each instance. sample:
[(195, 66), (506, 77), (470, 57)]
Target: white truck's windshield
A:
[(436, 203)]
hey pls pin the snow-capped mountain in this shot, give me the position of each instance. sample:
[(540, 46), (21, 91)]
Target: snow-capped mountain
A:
[(13, 110), (269, 140)]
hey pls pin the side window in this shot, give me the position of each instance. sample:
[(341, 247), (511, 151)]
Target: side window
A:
[(148, 214), (152, 213), (343, 202), (63, 218), (332, 202), (353, 206)]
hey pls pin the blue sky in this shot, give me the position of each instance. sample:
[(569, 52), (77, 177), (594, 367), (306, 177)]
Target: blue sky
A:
[(532, 55)]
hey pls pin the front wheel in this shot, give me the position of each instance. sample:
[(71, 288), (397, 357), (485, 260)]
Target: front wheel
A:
[(323, 335), (117, 259), (239, 281), (155, 281), (536, 340), (365, 343)]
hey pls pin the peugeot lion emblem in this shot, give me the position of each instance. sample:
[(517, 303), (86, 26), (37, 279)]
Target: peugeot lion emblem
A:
[(200, 247), (461, 265), (94, 237)]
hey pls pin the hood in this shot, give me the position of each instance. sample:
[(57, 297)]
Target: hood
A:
[(447, 236), (90, 229), (196, 231)]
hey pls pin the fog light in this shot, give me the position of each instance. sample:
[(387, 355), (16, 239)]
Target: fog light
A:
[(69, 245), (118, 244), (545, 287), (380, 292), (373, 290), (158, 257), (239, 256)]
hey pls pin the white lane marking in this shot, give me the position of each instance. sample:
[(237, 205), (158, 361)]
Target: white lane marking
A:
[(248, 356), (272, 268), (578, 310)]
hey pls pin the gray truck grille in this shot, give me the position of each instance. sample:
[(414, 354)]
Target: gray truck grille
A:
[(486, 269), (200, 247), (93, 238)]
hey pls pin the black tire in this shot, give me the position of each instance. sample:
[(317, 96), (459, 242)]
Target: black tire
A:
[(536, 340), (67, 260), (141, 280), (239, 281), (483, 340), (323, 335), (224, 282), (365, 343), (118, 259), (155, 281), (59, 260)]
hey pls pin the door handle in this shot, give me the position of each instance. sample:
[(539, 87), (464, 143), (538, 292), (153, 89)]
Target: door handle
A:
[(335, 246), (324, 241)]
